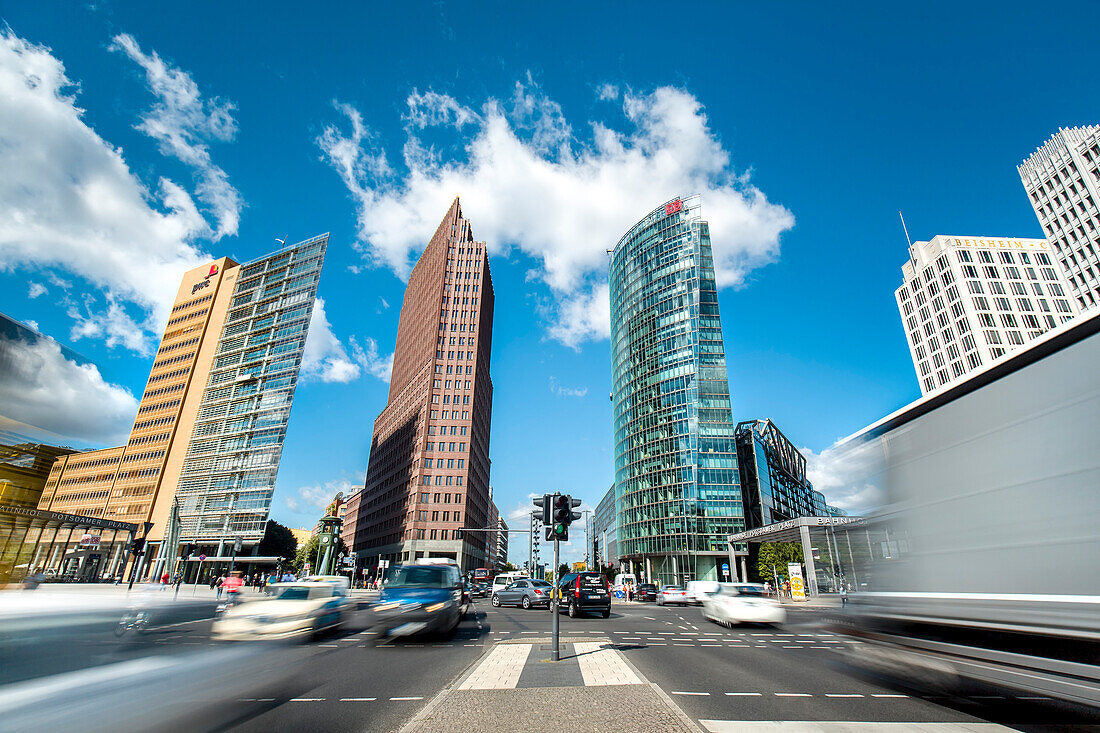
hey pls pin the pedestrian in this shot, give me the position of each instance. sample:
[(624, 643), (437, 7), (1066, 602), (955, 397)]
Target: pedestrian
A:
[(164, 580), (843, 596), (233, 585), (220, 584), (767, 588), (787, 588)]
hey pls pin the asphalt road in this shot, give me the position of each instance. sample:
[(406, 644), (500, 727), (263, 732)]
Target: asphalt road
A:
[(351, 681)]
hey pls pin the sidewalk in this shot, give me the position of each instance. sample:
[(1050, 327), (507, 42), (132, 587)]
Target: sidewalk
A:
[(509, 686), (187, 591)]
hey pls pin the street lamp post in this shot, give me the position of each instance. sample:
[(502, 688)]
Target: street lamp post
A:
[(233, 557)]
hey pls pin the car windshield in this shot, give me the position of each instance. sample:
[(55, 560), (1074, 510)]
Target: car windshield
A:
[(647, 586), (291, 593), (418, 576), (744, 590)]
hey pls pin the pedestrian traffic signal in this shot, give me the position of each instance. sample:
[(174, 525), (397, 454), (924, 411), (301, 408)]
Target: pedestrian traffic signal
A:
[(138, 547)]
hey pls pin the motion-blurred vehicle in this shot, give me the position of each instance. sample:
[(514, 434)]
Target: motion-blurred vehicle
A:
[(982, 567), (646, 592), (672, 594), (525, 593), (698, 590), (739, 603), (419, 599), (504, 580), (583, 592), (480, 590), (286, 610)]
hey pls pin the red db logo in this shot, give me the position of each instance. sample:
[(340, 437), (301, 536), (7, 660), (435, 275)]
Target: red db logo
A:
[(675, 206)]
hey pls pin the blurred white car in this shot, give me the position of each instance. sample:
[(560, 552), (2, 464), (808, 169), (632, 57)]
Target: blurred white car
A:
[(287, 610), (698, 590), (738, 603)]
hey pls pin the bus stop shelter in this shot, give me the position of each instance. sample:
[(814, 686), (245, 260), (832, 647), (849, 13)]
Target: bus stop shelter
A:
[(815, 534)]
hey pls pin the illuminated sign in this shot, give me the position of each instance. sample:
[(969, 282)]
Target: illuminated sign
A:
[(89, 540), (206, 280), (675, 206)]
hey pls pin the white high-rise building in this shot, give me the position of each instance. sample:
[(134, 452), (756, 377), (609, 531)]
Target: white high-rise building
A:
[(966, 301), (1062, 179)]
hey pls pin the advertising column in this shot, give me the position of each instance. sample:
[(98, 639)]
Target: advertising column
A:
[(798, 588)]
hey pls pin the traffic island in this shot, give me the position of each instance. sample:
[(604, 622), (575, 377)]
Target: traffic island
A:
[(517, 688)]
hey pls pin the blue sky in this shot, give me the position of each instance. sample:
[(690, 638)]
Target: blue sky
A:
[(208, 129)]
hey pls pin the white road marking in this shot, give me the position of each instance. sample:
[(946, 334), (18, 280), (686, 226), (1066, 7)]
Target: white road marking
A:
[(837, 694), (743, 694), (406, 698), (885, 695), (702, 694), (358, 699), (793, 694), (307, 699)]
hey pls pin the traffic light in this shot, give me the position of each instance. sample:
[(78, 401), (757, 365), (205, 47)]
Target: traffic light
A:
[(563, 516), (138, 547), (543, 503)]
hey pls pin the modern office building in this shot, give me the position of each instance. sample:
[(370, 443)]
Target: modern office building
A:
[(773, 477), (603, 539), (428, 473), (676, 484), (966, 301), (492, 536), (210, 424), (1062, 180)]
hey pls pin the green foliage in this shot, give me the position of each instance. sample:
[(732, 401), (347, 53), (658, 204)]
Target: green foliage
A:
[(509, 568), (777, 555), (308, 553), (563, 569), (278, 541)]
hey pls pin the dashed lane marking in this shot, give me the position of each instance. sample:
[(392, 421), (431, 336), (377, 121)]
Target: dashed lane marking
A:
[(744, 694), (307, 699), (406, 698), (838, 694), (886, 695), (700, 694), (792, 694), (358, 699)]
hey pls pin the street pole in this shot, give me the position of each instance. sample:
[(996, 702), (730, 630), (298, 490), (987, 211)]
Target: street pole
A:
[(554, 621)]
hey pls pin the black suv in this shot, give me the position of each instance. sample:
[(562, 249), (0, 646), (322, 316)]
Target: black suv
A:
[(645, 592), (581, 592)]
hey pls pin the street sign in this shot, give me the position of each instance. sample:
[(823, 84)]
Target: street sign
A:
[(726, 569), (202, 557)]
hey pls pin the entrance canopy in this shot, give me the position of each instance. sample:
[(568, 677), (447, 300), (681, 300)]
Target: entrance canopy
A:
[(790, 530)]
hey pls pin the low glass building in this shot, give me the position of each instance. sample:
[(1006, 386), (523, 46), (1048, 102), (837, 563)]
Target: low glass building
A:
[(677, 489)]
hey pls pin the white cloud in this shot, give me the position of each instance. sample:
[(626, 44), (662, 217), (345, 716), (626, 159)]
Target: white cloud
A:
[(850, 475), (114, 325), (607, 92), (35, 290), (42, 388), (183, 122), (527, 181), (385, 304), (69, 200), (318, 496), (326, 359), (561, 391)]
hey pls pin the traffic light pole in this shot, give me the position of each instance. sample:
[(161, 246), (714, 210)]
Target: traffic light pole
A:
[(555, 597)]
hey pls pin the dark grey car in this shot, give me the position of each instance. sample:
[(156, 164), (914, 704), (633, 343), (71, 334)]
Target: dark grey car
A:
[(526, 593)]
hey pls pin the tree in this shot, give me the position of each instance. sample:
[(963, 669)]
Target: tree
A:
[(776, 555), (563, 569), (509, 568), (278, 541), (308, 553)]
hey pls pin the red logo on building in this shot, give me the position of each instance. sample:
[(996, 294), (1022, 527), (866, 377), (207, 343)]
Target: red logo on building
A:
[(213, 271), (675, 206)]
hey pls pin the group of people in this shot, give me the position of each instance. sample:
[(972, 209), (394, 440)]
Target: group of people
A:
[(237, 580)]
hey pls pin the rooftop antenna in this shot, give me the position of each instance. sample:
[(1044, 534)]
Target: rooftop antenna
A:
[(906, 230)]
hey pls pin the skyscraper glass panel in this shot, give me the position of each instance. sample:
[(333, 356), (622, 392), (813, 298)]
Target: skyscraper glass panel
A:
[(229, 472), (677, 488)]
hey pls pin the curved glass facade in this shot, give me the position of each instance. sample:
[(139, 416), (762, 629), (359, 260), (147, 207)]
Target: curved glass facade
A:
[(677, 488)]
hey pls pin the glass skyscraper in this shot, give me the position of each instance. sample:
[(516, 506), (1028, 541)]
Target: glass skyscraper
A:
[(229, 472), (677, 488)]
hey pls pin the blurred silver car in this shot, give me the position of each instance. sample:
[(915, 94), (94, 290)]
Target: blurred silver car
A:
[(737, 603), (525, 593), (288, 610), (673, 594)]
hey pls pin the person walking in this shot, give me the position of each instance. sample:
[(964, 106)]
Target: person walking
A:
[(219, 585), (843, 595), (164, 580)]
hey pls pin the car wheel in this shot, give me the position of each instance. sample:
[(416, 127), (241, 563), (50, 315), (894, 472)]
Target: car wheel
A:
[(607, 613), (526, 603), (572, 609), (496, 601), (660, 601)]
